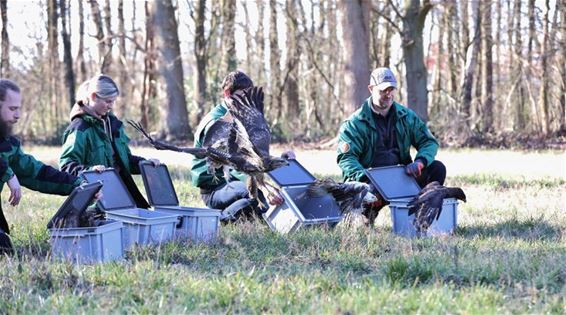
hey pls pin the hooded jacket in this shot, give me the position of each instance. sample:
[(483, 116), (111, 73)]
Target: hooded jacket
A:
[(90, 141), (358, 135), (31, 174)]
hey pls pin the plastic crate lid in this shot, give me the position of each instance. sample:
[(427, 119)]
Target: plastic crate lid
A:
[(78, 201), (393, 182), (158, 185), (115, 194), (292, 174)]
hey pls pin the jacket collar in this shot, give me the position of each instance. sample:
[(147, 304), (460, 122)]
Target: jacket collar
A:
[(365, 112)]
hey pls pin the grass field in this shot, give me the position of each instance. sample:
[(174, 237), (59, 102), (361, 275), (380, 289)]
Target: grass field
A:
[(508, 255)]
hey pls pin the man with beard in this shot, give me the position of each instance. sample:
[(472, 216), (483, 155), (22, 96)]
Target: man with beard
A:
[(381, 133), (18, 168)]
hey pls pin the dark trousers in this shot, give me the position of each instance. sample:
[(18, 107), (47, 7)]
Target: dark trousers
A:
[(436, 171), (5, 244), (234, 199)]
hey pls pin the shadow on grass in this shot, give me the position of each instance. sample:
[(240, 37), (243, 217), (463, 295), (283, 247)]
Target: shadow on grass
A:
[(531, 229)]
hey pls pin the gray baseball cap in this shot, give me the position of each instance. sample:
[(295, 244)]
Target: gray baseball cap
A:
[(382, 78)]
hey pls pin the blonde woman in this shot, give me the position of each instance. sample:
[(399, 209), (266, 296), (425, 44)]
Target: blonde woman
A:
[(95, 138)]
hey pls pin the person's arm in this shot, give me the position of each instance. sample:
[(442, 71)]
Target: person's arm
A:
[(423, 140), (350, 147), (38, 176), (73, 154)]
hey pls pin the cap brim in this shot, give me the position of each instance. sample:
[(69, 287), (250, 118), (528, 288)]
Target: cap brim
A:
[(384, 85)]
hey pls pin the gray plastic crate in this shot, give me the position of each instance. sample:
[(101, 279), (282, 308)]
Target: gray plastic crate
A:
[(403, 223), (100, 243), (197, 224), (141, 226), (398, 188), (299, 210), (89, 244)]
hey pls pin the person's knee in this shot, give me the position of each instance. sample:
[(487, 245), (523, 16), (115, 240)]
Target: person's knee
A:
[(438, 171)]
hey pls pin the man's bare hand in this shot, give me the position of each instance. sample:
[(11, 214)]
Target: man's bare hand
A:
[(99, 168), (275, 199), (15, 191), (155, 162)]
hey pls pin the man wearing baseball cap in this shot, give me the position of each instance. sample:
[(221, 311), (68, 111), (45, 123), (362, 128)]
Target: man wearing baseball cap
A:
[(381, 133)]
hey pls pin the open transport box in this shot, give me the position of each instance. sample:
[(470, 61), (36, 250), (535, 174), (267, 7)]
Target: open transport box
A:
[(399, 188), (141, 226), (299, 210), (95, 244), (197, 224)]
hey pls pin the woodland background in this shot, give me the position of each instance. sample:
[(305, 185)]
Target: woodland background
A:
[(479, 72)]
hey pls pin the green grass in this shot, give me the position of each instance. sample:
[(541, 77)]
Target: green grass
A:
[(508, 256)]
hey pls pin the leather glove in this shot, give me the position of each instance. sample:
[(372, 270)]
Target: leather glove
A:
[(414, 169)]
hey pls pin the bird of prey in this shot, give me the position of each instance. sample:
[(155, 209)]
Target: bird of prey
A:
[(239, 140), (427, 205), (351, 197)]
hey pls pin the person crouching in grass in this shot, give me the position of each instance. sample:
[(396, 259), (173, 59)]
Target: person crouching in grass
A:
[(19, 169)]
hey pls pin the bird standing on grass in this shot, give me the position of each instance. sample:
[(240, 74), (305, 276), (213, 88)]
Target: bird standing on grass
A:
[(351, 197), (427, 205)]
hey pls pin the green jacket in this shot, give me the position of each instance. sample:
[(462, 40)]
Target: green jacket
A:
[(86, 144), (358, 135), (31, 173), (199, 167)]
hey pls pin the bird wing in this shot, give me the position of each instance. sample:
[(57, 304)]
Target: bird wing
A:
[(248, 109), (349, 195), (429, 210)]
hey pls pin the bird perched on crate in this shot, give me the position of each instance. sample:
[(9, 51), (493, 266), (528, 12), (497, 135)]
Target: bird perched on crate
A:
[(240, 140), (351, 197), (427, 205)]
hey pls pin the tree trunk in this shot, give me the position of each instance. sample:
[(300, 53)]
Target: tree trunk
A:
[(67, 57), (440, 57), (260, 41), (82, 73), (107, 61), (488, 93), (563, 68), (97, 19), (176, 123), (415, 71), (544, 88), (386, 40), (452, 37), (518, 71), (53, 51), (471, 61), (356, 53), (292, 68), (274, 59), (149, 90), (201, 59), (5, 61), (123, 63), (228, 39), (532, 31)]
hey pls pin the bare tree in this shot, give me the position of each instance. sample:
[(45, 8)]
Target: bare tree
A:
[(293, 55), (176, 123), (562, 68), (415, 71), (228, 39), (67, 56), (356, 52), (53, 51), (107, 62), (544, 88), (122, 59), (488, 89), (274, 61), (97, 19), (471, 61), (201, 57), (5, 61), (82, 72), (149, 89)]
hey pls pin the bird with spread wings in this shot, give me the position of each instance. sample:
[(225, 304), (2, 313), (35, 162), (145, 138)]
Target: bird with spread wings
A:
[(352, 198), (427, 205), (239, 140)]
